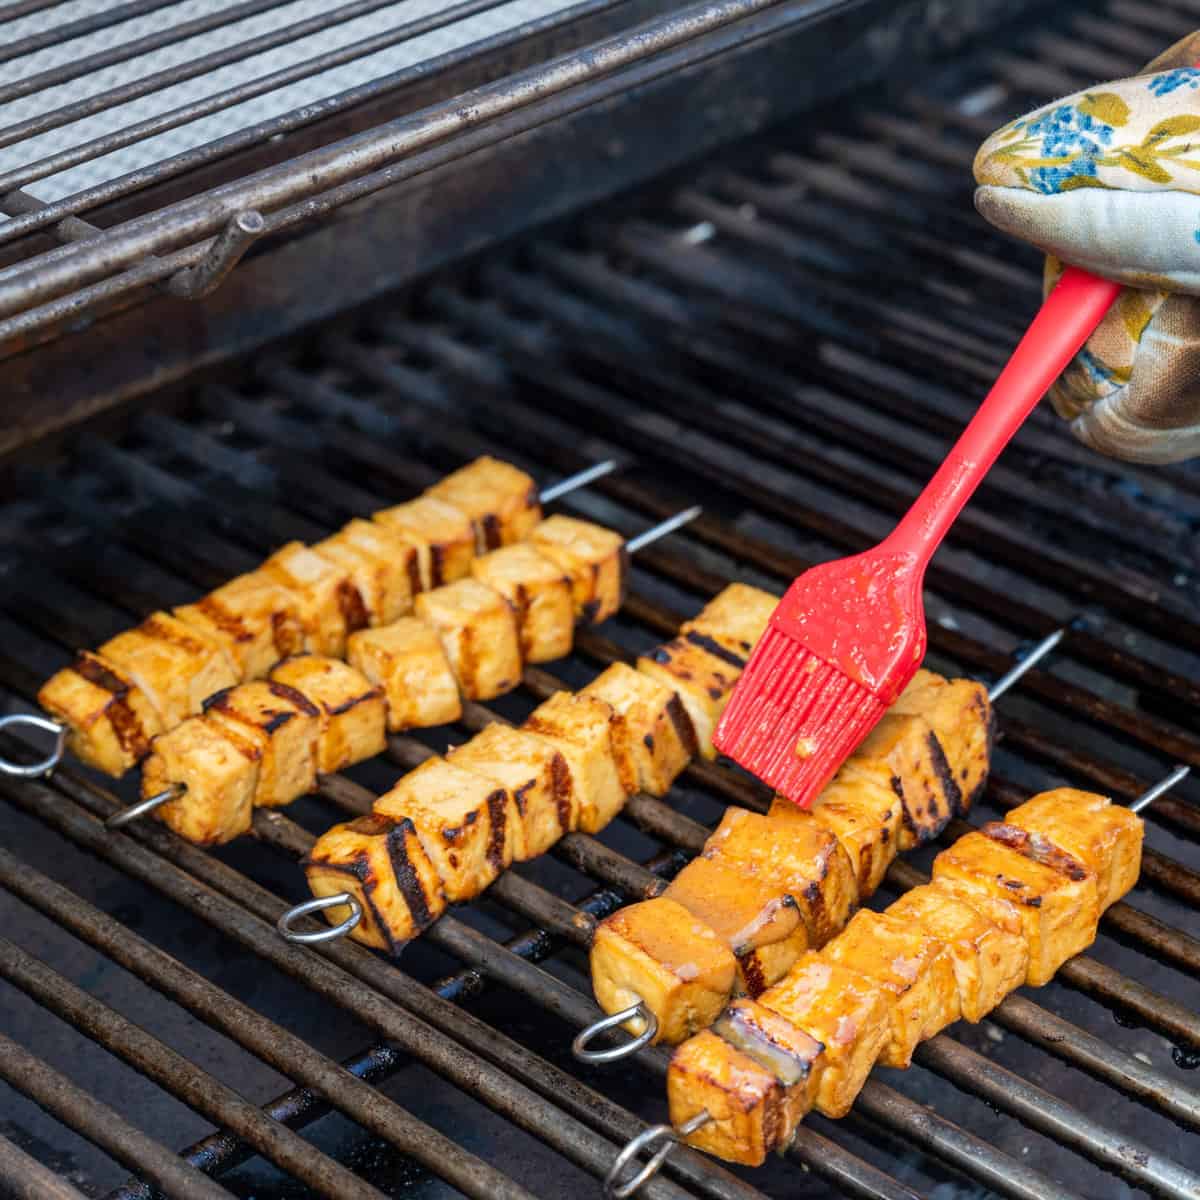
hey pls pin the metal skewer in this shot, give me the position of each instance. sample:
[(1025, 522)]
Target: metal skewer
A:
[(580, 1046), (142, 807), (580, 479), (670, 1136)]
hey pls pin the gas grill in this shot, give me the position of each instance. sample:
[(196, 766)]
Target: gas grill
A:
[(788, 329)]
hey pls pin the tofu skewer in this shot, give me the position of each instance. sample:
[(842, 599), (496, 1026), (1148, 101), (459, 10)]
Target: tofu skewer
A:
[(466, 641), (895, 978), (110, 704), (571, 766)]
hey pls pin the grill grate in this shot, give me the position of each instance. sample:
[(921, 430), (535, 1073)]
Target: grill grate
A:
[(790, 332)]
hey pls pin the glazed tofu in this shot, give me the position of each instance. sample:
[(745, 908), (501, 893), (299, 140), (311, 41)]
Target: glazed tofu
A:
[(220, 775), (843, 1010), (283, 725), (702, 681), (910, 750), (989, 962), (501, 500), (538, 592), (912, 967), (760, 924), (479, 634), (779, 1046), (960, 713), (656, 952), (350, 709), (329, 604), (382, 864), (859, 807), (176, 666), (254, 618), (536, 776), (1105, 837), (468, 825), (731, 623), (407, 660), (744, 1100), (441, 534), (593, 558), (797, 856), (381, 565), (110, 721), (661, 738), (1054, 895), (595, 744)]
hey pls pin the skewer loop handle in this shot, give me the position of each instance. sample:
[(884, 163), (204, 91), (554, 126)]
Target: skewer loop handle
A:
[(284, 924), (45, 765), (579, 1047), (667, 1135)]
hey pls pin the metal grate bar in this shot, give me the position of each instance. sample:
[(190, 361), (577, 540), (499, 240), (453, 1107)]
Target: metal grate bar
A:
[(29, 1179), (56, 34)]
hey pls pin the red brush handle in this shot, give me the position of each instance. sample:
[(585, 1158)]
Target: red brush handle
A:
[(1067, 319)]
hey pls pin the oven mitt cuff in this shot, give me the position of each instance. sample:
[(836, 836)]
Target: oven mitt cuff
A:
[(1109, 179)]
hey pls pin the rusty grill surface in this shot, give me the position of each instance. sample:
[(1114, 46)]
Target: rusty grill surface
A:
[(790, 333)]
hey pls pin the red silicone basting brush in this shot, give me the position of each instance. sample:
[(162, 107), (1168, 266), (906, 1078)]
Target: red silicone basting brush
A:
[(849, 635)]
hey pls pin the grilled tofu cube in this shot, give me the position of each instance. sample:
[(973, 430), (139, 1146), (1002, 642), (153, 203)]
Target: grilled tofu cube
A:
[(1104, 836), (913, 968), (656, 952), (381, 565), (175, 665), (1054, 894), (760, 924), (779, 1046), (989, 962), (382, 864), (593, 557), (479, 634), (743, 1099), (441, 534), (595, 744), (702, 681), (329, 604), (843, 1010), (538, 593), (910, 749), (536, 776), (283, 725), (220, 776), (863, 812), (256, 620), (468, 825), (798, 856), (110, 721), (960, 713), (407, 660), (501, 500), (350, 709), (731, 623), (661, 738)]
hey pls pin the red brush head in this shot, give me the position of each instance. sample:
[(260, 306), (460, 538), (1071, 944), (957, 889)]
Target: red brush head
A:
[(843, 643)]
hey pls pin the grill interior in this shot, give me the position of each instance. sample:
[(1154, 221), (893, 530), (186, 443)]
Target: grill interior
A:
[(790, 333)]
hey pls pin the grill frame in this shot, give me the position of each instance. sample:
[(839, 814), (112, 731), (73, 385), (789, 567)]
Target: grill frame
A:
[(398, 451)]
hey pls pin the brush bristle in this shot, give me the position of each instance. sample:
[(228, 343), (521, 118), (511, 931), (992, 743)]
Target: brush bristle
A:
[(793, 719)]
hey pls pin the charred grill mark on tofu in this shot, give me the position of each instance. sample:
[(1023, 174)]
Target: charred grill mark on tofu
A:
[(751, 969), (126, 724), (352, 606), (437, 565), (354, 701), (1037, 848), (302, 702), (287, 637), (414, 573), (683, 726), (521, 794), (278, 720), (715, 649), (224, 620), (407, 878), (498, 815), (490, 528), (945, 776), (561, 785)]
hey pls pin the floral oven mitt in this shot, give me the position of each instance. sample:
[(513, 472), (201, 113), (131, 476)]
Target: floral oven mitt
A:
[(1109, 179)]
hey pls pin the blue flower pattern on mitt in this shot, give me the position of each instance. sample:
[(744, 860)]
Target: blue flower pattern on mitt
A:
[(1170, 81), (1066, 132)]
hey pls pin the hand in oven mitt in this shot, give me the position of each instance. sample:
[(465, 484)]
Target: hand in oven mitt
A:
[(1109, 180)]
